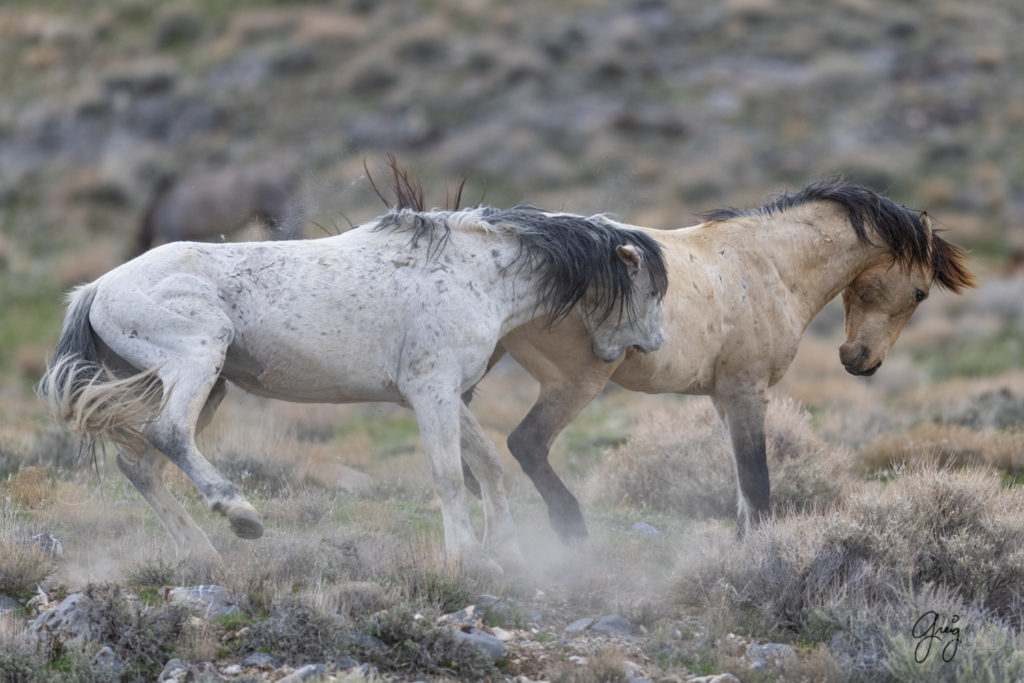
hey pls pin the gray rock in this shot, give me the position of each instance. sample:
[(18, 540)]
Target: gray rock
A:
[(178, 671), (107, 660), (365, 671), (345, 663), (70, 623), (8, 605), (771, 655), (496, 607), (209, 601), (716, 678), (173, 669), (644, 529), (492, 647), (580, 625), (470, 616), (613, 624), (310, 672), (366, 642), (261, 660)]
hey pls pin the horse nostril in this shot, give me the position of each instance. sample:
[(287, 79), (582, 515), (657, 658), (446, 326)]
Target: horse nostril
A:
[(852, 354)]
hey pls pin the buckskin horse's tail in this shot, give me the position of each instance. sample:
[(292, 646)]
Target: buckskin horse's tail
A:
[(86, 396)]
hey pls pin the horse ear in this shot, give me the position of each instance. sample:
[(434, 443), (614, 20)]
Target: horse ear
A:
[(926, 221), (630, 256)]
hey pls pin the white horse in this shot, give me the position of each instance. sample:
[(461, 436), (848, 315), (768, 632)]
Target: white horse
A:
[(404, 309)]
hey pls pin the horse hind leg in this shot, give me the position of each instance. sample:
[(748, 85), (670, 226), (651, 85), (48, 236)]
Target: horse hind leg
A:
[(189, 407), (479, 451), (143, 471)]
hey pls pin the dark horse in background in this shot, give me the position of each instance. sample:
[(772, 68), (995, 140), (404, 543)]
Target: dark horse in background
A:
[(207, 206)]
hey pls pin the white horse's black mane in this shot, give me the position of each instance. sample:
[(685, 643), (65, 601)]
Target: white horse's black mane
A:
[(571, 254)]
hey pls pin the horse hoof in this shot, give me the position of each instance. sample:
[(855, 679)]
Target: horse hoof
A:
[(573, 536), (246, 524)]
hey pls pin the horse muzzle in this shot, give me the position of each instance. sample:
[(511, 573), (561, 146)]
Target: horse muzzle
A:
[(608, 354), (653, 344), (854, 364), (861, 372)]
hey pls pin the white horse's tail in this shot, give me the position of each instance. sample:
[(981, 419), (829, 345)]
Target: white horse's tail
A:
[(86, 396)]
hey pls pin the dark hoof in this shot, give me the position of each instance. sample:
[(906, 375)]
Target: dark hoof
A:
[(246, 524), (571, 534)]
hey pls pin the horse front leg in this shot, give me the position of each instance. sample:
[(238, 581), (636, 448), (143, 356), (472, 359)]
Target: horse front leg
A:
[(744, 415), (530, 444), (437, 413)]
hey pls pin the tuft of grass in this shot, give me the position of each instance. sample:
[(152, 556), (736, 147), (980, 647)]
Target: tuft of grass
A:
[(155, 575), (31, 487)]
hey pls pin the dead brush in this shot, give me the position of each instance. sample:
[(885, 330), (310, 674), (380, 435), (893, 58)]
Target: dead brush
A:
[(414, 646), (296, 633), (22, 568), (31, 487), (679, 461), (853, 577)]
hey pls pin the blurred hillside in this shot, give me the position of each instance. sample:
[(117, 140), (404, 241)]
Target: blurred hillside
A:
[(650, 109)]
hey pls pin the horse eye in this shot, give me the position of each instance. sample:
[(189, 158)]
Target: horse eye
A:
[(919, 295)]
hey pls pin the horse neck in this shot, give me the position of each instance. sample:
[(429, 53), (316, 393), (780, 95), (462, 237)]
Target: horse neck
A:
[(815, 251), (518, 285)]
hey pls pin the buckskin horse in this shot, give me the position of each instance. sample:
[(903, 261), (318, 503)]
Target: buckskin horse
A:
[(745, 283)]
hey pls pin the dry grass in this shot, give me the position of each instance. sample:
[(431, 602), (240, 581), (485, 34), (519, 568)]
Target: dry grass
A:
[(680, 461), (22, 568), (933, 539), (945, 444)]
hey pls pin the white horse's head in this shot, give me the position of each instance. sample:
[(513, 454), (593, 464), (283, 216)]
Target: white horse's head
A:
[(641, 324)]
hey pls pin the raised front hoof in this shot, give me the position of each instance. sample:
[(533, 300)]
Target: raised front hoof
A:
[(246, 524)]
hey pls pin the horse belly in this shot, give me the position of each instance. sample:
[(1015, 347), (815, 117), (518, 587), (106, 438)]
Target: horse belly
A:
[(291, 372), (661, 373)]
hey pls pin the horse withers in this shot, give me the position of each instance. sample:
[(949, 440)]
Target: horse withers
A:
[(745, 285), (404, 309)]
